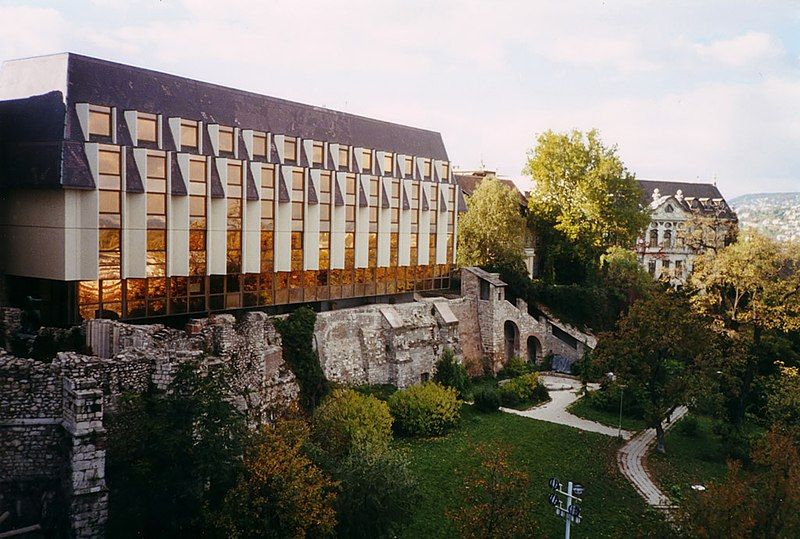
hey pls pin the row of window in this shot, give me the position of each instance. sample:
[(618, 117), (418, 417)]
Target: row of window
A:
[(159, 296), (100, 124), (156, 183), (666, 269)]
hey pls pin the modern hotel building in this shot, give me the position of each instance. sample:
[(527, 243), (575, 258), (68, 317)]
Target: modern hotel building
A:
[(129, 193)]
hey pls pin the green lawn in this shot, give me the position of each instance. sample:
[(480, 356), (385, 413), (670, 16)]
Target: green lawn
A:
[(582, 408), (690, 459), (611, 507)]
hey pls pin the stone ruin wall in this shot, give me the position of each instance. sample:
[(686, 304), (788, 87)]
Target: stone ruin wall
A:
[(386, 344), (52, 434)]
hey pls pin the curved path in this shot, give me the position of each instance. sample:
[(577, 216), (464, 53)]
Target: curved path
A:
[(631, 455), (563, 392)]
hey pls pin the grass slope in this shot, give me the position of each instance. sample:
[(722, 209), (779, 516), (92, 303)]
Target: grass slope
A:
[(582, 408), (612, 508), (690, 459)]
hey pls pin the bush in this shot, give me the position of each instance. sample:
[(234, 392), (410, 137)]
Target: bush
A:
[(348, 421), (520, 390), (688, 426), (281, 492), (377, 493), (516, 366), (450, 373), (541, 394), (425, 410), (487, 400)]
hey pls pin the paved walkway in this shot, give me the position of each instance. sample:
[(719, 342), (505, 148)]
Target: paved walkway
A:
[(630, 457), (563, 392)]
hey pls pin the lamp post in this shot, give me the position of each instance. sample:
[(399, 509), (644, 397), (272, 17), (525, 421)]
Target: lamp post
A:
[(613, 377), (569, 510)]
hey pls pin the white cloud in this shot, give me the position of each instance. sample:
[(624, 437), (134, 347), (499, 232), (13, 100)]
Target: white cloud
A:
[(30, 31), (747, 50)]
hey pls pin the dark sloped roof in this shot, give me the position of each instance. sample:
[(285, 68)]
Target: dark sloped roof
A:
[(692, 193), (493, 278), (470, 182), (107, 83), (696, 190)]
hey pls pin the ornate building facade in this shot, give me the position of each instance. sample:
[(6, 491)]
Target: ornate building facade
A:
[(687, 219), (129, 193)]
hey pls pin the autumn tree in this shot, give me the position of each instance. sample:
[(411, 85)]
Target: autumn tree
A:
[(497, 500), (585, 195), (783, 399), (492, 231), (281, 492), (707, 232), (759, 502), (653, 351), (749, 288)]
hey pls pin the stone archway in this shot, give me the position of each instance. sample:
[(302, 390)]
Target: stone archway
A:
[(511, 339), (534, 350)]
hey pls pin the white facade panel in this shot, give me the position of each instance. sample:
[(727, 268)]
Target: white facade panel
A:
[(134, 235), (362, 224)]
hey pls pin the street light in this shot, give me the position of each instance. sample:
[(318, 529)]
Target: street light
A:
[(613, 377), (569, 510)]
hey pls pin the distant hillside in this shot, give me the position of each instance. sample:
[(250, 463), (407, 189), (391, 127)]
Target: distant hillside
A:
[(776, 215)]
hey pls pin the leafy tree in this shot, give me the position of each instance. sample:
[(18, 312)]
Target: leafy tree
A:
[(759, 503), (348, 421), (704, 233), (297, 335), (783, 399), (653, 350), (451, 373), (749, 288), (722, 510), (624, 277), (172, 456), (497, 501), (585, 195), (492, 231), (378, 491), (281, 492)]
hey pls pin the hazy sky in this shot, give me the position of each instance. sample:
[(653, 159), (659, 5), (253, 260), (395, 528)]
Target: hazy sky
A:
[(688, 90)]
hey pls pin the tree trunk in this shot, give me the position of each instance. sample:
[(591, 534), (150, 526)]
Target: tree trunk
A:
[(748, 377), (660, 447)]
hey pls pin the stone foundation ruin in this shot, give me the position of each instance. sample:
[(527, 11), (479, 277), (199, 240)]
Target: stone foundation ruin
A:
[(52, 434)]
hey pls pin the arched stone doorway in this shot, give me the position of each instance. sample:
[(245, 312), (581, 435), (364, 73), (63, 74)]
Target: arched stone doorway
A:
[(511, 337), (534, 350)]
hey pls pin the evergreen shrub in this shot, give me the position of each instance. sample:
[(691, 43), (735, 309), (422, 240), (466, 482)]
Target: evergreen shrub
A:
[(487, 400), (451, 373)]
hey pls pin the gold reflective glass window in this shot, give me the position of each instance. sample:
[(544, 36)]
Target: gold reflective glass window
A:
[(290, 148), (234, 173), (109, 202), (388, 163), (156, 166), (100, 121), (367, 160), (109, 162), (445, 171), (409, 166), (297, 211), (156, 240), (109, 239), (325, 182), (147, 128), (318, 154), (267, 209), (197, 206), (189, 134), (268, 177), (259, 144), (156, 203), (197, 170), (297, 180), (427, 167), (226, 139), (344, 156)]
